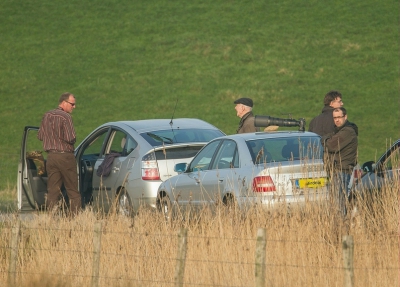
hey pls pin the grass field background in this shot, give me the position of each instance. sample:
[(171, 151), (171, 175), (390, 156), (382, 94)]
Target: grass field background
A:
[(138, 59)]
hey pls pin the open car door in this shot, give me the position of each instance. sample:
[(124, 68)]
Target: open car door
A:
[(32, 176)]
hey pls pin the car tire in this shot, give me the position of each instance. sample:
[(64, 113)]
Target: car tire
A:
[(229, 202), (124, 204), (164, 206)]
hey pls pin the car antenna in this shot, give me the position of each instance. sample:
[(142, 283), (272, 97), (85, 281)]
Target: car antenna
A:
[(171, 122)]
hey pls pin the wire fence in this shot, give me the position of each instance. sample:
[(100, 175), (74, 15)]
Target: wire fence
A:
[(103, 257)]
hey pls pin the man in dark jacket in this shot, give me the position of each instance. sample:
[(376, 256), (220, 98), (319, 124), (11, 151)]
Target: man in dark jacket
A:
[(323, 123), (243, 109), (341, 147)]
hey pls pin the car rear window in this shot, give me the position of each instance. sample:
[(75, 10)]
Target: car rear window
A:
[(166, 137), (177, 152), (284, 149)]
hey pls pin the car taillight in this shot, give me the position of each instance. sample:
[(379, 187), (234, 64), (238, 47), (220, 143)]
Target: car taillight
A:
[(263, 184), (150, 167), (357, 173)]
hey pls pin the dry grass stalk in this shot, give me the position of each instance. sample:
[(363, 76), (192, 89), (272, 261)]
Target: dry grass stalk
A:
[(303, 247)]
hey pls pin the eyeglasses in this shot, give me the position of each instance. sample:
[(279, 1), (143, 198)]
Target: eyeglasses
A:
[(336, 118), (72, 104)]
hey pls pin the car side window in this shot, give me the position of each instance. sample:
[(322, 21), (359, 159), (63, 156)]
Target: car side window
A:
[(225, 157), (96, 144), (203, 159), (117, 142), (128, 145)]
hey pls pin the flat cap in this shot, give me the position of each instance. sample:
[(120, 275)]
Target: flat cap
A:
[(244, 101)]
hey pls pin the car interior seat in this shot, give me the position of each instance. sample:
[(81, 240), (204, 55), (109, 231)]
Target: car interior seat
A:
[(123, 142), (128, 145), (123, 146), (291, 151), (260, 153)]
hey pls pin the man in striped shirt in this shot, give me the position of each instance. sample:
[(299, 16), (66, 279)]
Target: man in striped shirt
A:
[(58, 135)]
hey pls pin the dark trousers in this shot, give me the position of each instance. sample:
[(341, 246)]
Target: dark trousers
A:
[(62, 169), (341, 182)]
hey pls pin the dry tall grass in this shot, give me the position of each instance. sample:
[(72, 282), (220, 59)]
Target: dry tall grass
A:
[(8, 198), (303, 247)]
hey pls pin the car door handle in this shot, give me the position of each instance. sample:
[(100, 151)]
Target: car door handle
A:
[(196, 179), (221, 179), (115, 168)]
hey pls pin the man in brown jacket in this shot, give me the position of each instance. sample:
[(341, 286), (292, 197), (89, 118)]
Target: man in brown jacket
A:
[(243, 109), (341, 147)]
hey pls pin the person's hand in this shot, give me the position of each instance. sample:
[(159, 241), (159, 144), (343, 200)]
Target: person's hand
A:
[(326, 137)]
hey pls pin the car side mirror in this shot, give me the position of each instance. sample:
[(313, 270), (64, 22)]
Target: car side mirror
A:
[(368, 166), (180, 167)]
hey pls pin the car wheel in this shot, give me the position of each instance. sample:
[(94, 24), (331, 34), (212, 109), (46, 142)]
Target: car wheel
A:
[(124, 204), (164, 206), (230, 202)]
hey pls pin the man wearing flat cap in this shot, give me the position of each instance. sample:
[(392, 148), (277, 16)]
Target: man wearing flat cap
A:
[(243, 109)]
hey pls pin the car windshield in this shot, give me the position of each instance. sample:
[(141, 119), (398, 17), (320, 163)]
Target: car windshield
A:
[(284, 149), (167, 137)]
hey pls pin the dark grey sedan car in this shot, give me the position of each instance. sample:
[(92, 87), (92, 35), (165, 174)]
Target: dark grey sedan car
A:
[(382, 173), (143, 153)]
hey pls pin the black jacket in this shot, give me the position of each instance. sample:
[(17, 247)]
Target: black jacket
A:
[(341, 147), (323, 123)]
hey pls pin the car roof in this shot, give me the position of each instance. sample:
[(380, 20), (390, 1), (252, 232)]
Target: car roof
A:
[(272, 135), (142, 126)]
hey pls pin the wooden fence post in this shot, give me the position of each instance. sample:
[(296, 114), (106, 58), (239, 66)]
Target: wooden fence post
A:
[(180, 264), (348, 256), (260, 258), (96, 254), (12, 270)]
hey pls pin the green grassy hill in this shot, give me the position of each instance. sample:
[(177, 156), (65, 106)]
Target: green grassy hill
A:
[(136, 59)]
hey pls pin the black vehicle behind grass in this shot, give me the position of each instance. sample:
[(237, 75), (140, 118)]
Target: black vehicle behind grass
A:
[(379, 176)]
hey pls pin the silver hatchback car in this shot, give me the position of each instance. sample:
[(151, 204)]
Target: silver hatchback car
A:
[(144, 154), (264, 168)]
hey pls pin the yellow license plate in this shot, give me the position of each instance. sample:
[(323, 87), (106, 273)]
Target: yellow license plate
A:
[(310, 182)]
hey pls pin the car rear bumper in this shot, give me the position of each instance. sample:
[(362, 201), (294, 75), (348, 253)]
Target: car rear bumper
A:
[(274, 200)]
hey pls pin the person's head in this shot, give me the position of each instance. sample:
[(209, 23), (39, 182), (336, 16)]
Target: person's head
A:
[(333, 99), (67, 102), (339, 116), (243, 106)]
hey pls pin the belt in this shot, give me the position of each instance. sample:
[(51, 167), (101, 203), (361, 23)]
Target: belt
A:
[(57, 151)]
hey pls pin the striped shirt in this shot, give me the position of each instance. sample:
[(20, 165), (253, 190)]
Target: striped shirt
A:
[(57, 131)]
